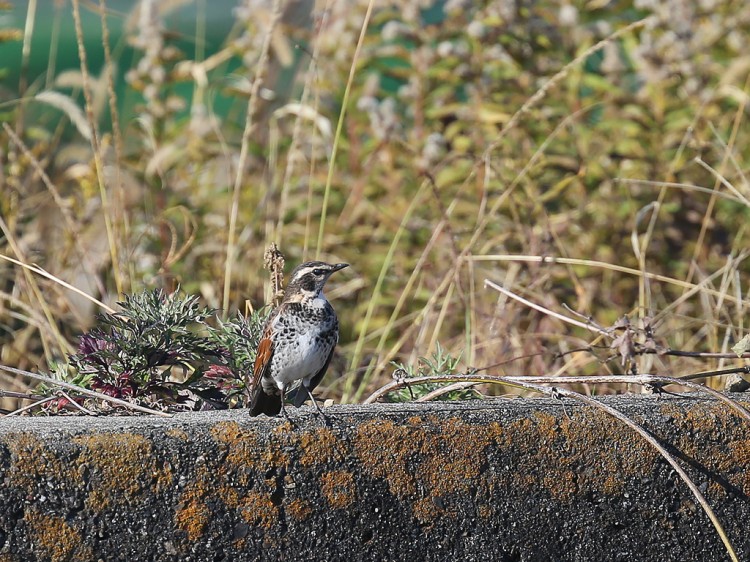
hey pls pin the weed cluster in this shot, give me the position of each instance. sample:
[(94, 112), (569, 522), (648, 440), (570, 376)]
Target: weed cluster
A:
[(160, 349), (581, 155)]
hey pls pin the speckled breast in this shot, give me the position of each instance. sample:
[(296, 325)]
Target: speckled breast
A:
[(304, 337)]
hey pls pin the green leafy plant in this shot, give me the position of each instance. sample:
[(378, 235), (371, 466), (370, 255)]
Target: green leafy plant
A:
[(160, 347), (439, 363), (239, 336)]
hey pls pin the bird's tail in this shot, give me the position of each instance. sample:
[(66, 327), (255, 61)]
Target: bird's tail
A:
[(262, 403)]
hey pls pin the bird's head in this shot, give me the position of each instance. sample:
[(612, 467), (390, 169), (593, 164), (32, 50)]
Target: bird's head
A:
[(308, 279)]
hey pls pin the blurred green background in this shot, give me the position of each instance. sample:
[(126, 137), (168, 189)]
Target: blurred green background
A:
[(478, 137)]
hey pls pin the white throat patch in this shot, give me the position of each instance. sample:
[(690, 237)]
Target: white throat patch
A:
[(319, 301)]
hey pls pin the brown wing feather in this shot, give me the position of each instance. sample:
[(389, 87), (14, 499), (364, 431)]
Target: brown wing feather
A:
[(262, 358), (260, 402)]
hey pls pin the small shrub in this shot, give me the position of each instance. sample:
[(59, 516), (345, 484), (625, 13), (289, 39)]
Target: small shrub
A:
[(440, 363), (160, 348)]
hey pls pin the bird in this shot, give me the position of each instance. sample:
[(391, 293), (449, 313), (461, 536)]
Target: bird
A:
[(297, 342)]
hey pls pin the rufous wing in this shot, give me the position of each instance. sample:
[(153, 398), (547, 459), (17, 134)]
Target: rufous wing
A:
[(262, 359), (260, 402)]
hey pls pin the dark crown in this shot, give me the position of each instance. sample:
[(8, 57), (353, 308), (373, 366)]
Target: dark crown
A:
[(310, 277)]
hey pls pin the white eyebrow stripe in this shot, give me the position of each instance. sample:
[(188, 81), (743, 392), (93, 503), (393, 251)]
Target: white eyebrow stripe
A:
[(302, 272)]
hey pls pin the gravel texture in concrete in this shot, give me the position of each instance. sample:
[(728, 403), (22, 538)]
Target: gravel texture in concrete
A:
[(524, 479)]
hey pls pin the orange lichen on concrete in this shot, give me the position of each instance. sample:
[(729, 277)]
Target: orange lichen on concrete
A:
[(299, 509), (257, 508), (338, 488), (586, 452), (717, 423), (55, 539), (429, 460), (427, 510), (454, 455), (592, 452), (231, 433), (123, 468), (436, 453), (246, 458), (192, 513), (485, 511), (245, 452), (321, 446), (738, 456), (32, 463), (387, 450), (229, 495), (176, 433)]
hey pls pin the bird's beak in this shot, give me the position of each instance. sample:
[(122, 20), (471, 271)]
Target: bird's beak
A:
[(339, 266)]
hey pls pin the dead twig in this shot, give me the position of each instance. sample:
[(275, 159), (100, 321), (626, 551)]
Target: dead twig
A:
[(734, 370), (17, 395), (634, 348), (651, 440), (84, 391), (537, 384), (644, 380), (31, 406), (438, 392), (75, 404), (519, 381), (545, 310)]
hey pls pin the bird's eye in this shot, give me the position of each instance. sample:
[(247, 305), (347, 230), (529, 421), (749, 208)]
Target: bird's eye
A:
[(318, 272)]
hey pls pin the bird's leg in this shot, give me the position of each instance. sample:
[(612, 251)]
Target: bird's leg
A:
[(315, 403), (283, 408)]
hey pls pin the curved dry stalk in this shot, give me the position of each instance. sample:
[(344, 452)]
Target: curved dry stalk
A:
[(396, 317), (39, 271), (120, 209), (519, 381), (656, 380), (562, 73), (375, 299), (544, 310), (30, 406), (64, 210), (605, 265), (84, 391), (651, 440), (526, 383), (107, 209), (340, 127), (295, 152), (677, 185), (75, 404), (722, 180), (438, 392), (250, 124), (524, 109), (37, 292), (23, 80)]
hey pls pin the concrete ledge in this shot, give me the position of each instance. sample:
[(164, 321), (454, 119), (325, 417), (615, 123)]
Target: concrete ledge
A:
[(492, 480)]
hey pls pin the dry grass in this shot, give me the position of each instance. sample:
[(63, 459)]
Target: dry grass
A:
[(430, 156)]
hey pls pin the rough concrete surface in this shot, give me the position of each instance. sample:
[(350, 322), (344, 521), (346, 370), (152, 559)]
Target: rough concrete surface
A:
[(524, 479)]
